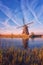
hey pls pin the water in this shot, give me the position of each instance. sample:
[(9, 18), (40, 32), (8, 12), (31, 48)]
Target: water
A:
[(21, 43)]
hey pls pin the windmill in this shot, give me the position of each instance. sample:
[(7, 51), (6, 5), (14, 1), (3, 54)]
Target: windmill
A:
[(25, 27)]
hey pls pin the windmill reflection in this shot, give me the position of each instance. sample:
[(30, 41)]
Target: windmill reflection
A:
[(25, 42)]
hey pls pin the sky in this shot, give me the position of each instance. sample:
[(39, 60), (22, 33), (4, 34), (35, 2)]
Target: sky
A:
[(12, 13)]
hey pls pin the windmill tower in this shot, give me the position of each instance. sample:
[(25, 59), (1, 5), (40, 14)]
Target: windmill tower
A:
[(25, 30), (25, 27)]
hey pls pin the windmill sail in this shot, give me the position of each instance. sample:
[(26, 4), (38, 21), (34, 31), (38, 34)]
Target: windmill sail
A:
[(25, 24), (23, 21), (30, 23)]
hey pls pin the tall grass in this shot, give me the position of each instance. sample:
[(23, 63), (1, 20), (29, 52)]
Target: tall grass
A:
[(14, 56)]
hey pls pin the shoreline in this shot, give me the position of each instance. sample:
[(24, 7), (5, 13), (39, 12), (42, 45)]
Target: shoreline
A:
[(20, 36)]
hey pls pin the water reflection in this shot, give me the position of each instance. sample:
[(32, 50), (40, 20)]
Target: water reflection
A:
[(25, 42), (32, 39), (21, 43)]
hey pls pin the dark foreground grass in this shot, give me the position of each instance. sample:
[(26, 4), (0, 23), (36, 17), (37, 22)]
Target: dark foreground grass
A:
[(21, 57)]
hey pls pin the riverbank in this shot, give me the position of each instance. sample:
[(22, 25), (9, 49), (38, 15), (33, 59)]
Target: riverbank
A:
[(15, 36), (14, 56), (20, 36)]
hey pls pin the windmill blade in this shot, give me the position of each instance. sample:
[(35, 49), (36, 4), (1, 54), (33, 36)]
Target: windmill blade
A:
[(25, 24), (23, 21), (20, 26), (30, 23)]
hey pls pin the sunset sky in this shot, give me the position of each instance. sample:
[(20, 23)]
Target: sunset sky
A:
[(12, 13)]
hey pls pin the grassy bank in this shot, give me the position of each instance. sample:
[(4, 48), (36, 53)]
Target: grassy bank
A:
[(21, 57)]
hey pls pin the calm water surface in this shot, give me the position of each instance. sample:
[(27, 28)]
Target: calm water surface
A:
[(21, 43)]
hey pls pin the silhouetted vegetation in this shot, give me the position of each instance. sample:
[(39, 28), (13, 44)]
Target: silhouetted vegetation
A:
[(21, 57), (20, 36)]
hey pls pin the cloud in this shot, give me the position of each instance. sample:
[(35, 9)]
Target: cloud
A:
[(34, 4), (33, 12), (7, 25), (40, 12), (8, 13), (24, 3), (8, 29), (24, 11)]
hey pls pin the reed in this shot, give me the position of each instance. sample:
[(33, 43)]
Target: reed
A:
[(14, 56)]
